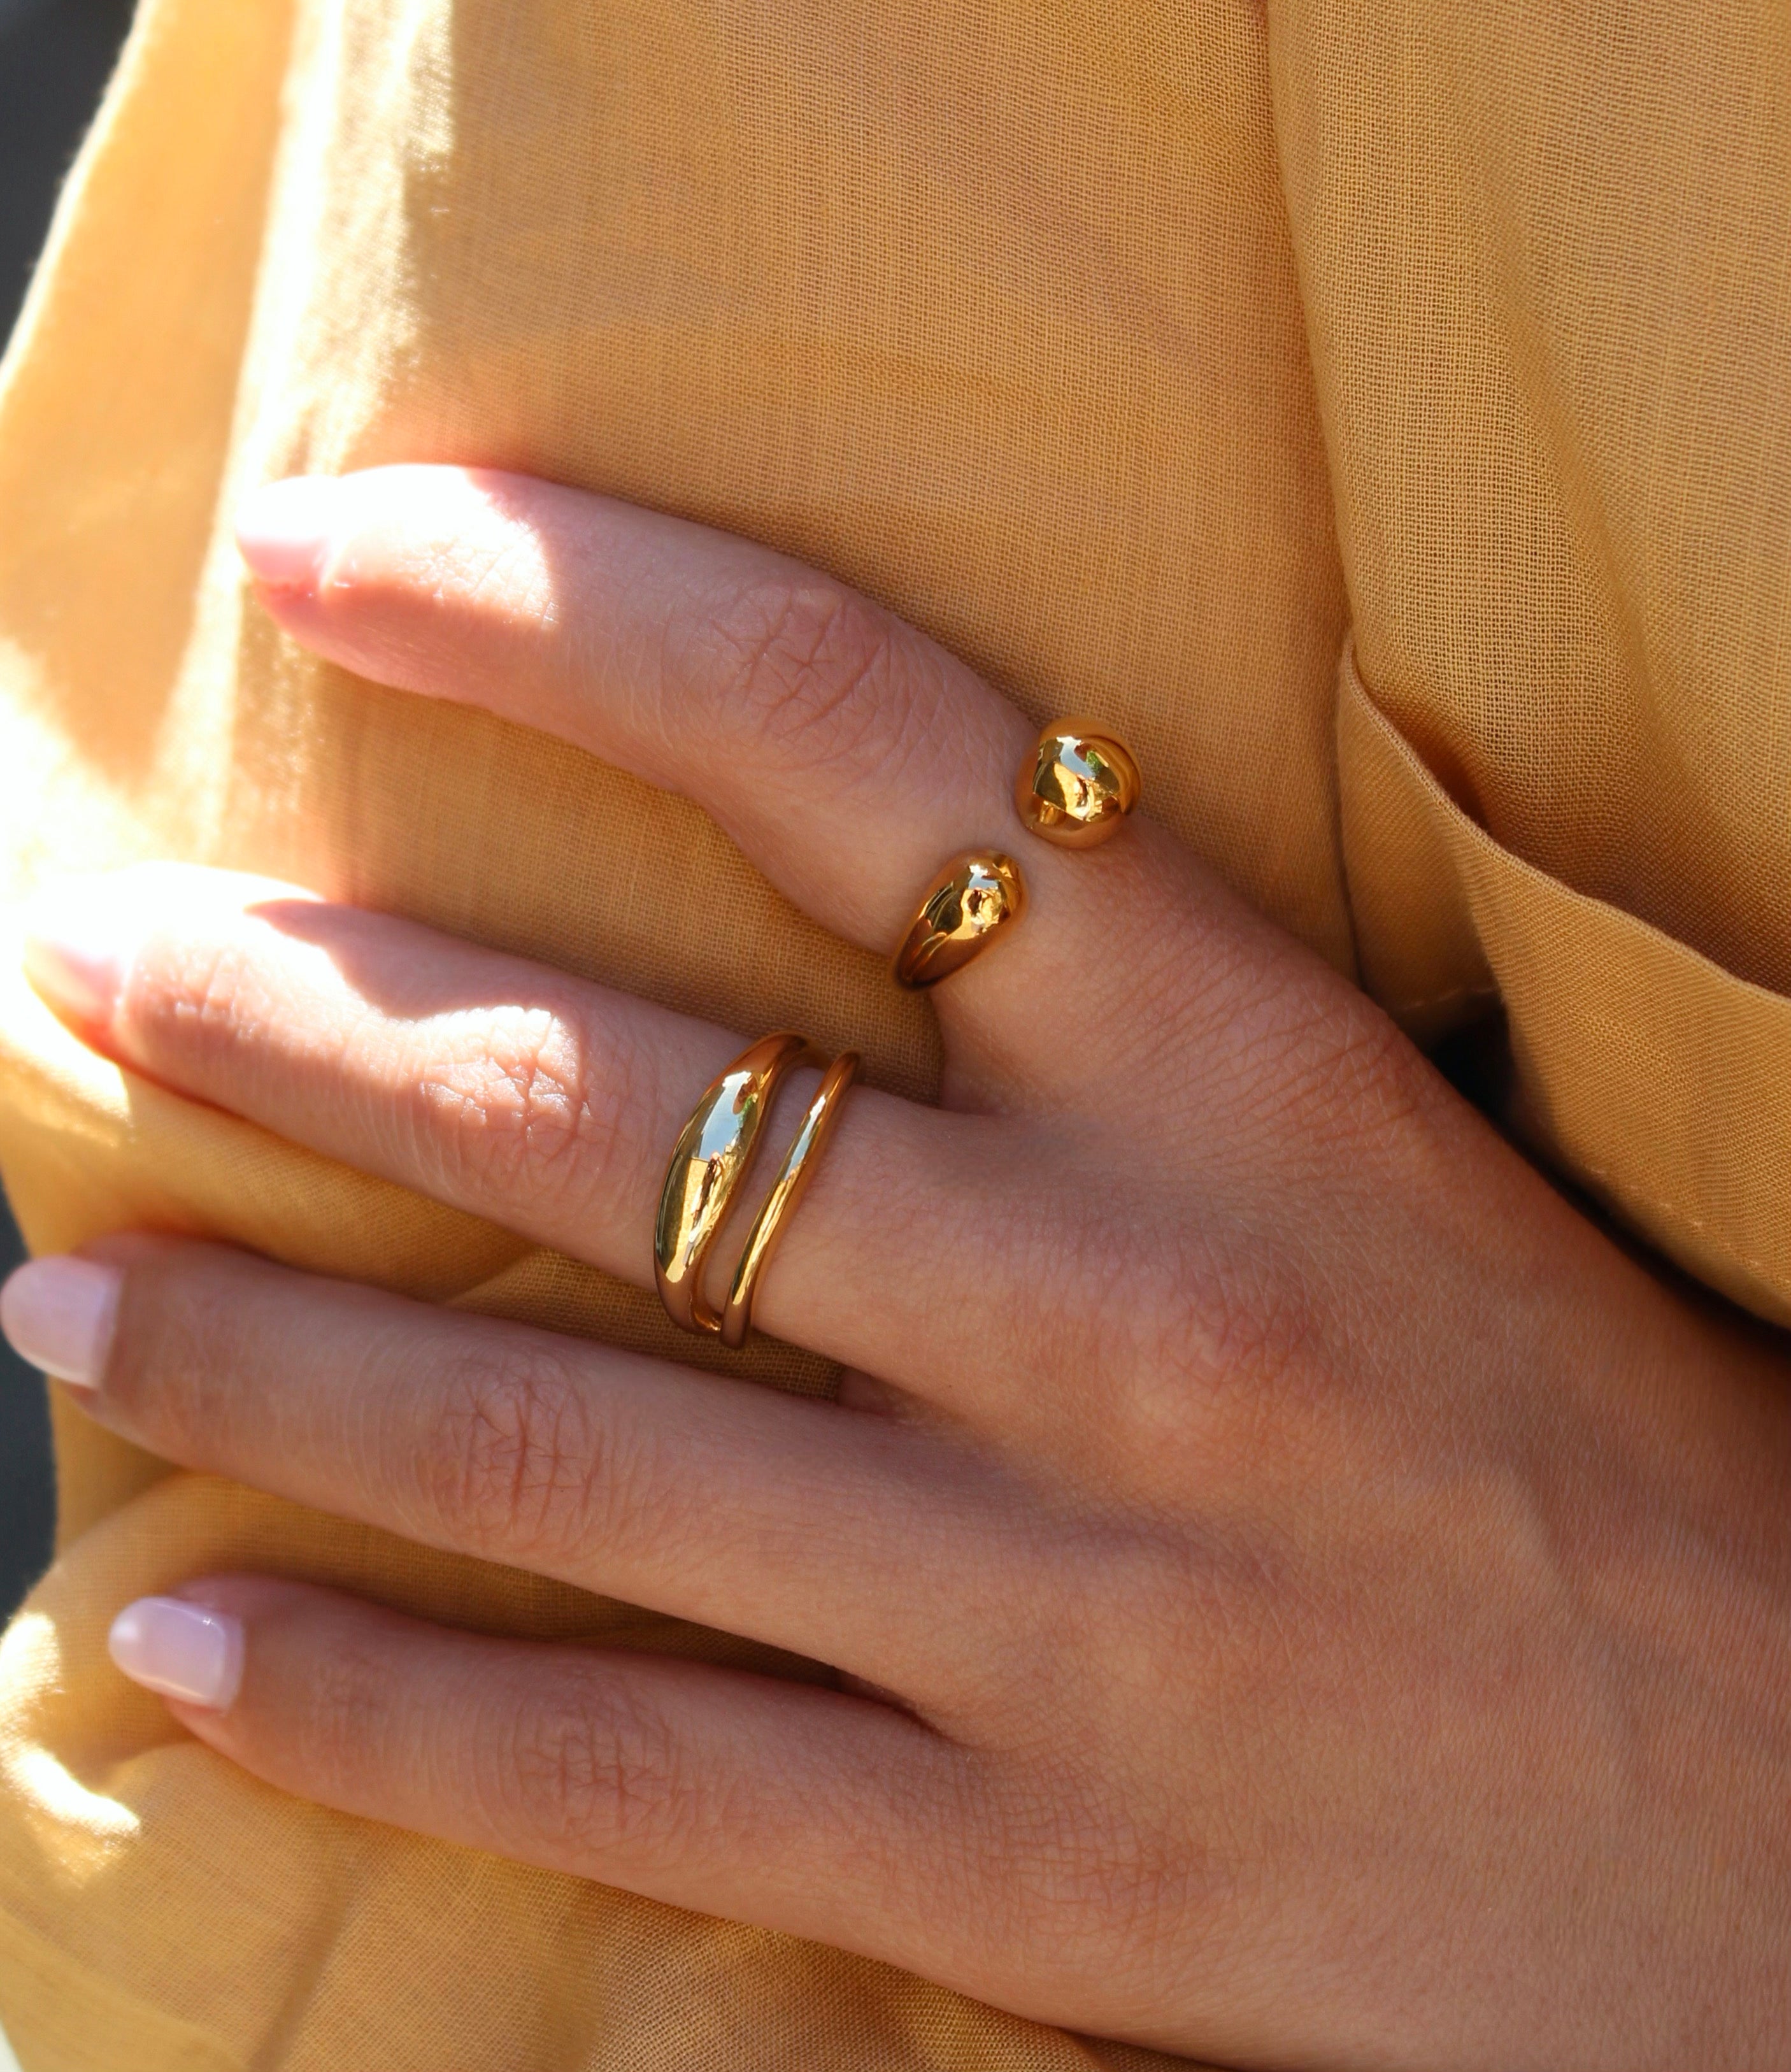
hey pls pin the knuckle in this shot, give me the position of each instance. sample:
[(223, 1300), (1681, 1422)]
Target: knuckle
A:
[(1321, 1066), (1361, 1071), (346, 1721), (1172, 1304), (1094, 1865), (805, 666), (184, 1339), (517, 1104), (516, 1460), (200, 996), (1102, 1866), (1226, 1315), (596, 1772)]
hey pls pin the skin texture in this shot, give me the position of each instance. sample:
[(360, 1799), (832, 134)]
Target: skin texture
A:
[(1301, 1594)]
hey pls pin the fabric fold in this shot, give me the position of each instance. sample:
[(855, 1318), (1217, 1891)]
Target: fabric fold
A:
[(1651, 1075)]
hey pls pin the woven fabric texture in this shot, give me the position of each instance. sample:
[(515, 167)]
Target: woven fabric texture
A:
[(1374, 412)]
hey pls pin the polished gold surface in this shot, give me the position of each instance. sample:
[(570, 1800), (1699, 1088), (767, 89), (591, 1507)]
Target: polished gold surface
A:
[(1078, 785), (966, 907), (711, 1158), (793, 1176)]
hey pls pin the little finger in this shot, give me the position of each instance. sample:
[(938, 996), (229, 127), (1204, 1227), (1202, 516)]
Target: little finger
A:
[(794, 1808)]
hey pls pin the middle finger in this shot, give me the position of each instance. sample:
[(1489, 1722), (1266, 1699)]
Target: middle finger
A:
[(540, 1102)]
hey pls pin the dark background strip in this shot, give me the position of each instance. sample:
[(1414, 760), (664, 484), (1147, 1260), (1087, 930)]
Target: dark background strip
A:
[(56, 56)]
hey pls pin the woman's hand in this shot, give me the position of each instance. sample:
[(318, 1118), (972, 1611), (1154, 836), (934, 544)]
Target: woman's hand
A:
[(1301, 1594)]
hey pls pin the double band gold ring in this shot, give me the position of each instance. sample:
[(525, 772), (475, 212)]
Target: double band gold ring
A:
[(708, 1165)]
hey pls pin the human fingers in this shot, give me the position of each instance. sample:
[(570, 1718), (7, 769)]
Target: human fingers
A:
[(823, 1530), (849, 755), (524, 1096), (782, 1805)]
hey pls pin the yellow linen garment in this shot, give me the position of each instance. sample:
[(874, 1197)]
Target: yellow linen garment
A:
[(1376, 413)]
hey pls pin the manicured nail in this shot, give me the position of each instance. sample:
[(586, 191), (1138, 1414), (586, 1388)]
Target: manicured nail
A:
[(283, 530), (180, 1650), (60, 1313), (81, 936)]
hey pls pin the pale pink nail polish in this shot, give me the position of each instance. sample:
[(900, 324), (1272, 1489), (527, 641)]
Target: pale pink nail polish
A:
[(60, 1314), (80, 936), (180, 1650), (283, 530)]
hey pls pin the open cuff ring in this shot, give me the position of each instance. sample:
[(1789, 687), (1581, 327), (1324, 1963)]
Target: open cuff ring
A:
[(1074, 790)]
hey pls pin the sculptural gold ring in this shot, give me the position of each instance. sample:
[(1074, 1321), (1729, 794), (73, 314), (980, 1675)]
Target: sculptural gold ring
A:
[(793, 1176), (713, 1154), (965, 909), (1078, 785)]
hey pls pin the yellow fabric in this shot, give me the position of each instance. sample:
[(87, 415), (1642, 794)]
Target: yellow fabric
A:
[(1376, 413), (1544, 256)]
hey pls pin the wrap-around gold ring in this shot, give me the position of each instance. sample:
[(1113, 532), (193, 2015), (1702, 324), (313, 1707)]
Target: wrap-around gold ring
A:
[(712, 1155), (709, 1163), (787, 1189)]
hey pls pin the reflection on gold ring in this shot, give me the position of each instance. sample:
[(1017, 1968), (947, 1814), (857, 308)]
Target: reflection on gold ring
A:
[(712, 1155), (966, 907), (793, 1176), (1078, 785)]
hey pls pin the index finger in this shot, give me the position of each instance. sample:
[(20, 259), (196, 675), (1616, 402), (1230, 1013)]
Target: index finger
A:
[(850, 756), (847, 753)]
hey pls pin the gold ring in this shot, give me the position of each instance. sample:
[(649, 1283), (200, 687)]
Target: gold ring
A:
[(793, 1177), (712, 1155), (1078, 784), (966, 907)]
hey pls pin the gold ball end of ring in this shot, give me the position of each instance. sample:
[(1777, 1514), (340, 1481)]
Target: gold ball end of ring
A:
[(713, 1154), (1078, 785), (965, 908)]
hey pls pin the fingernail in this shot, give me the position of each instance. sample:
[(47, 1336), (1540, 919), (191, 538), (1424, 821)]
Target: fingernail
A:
[(81, 936), (180, 1650), (283, 530), (60, 1313)]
